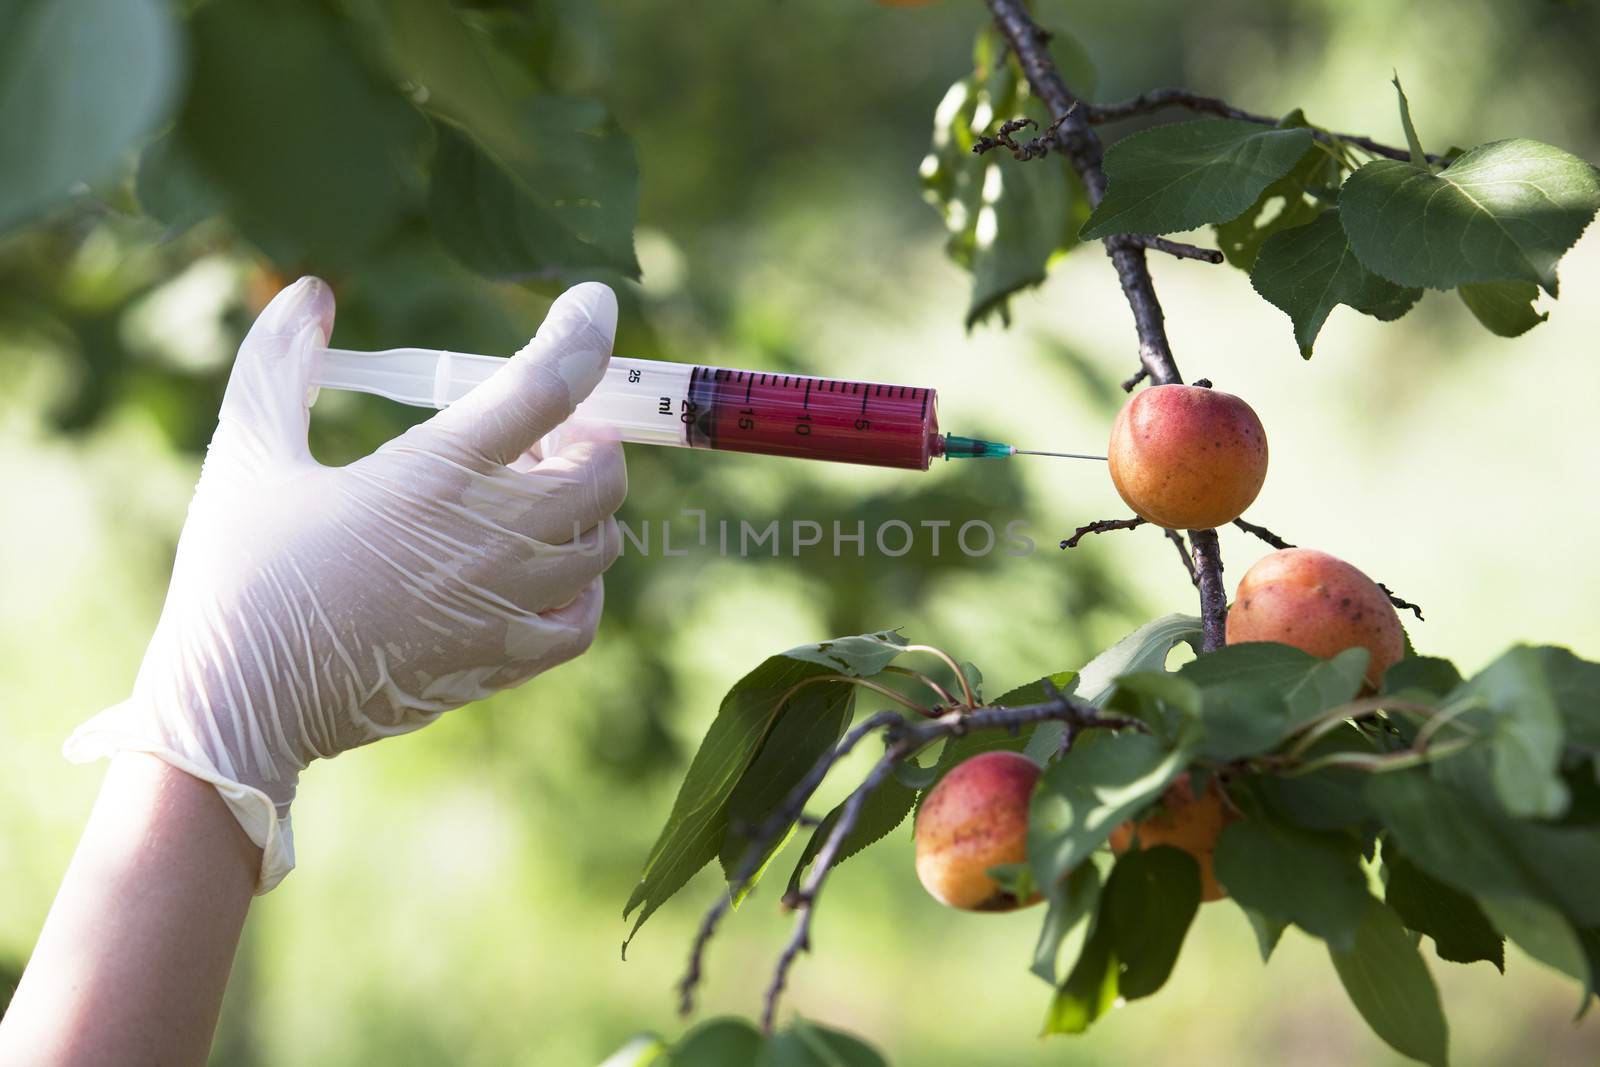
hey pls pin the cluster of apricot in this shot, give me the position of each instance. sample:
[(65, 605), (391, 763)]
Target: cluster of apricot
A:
[(1183, 457)]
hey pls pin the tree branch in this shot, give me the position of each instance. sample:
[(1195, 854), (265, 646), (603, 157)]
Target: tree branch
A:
[(1176, 248), (1158, 99), (904, 739), (1213, 596), (1081, 145), (1100, 526)]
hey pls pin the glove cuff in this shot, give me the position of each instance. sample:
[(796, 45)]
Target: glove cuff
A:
[(255, 811)]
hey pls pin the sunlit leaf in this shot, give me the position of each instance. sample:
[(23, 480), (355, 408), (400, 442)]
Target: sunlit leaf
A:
[(1503, 212), (1188, 174), (1091, 791)]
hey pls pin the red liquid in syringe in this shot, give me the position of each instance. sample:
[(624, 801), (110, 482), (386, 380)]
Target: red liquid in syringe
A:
[(812, 418)]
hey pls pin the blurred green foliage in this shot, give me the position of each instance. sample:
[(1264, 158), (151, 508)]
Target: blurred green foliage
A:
[(459, 892)]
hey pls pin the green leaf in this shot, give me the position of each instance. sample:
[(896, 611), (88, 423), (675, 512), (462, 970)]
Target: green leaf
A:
[(1429, 674), (1146, 649), (1169, 704), (806, 732), (1006, 218), (1308, 271), (570, 211), (806, 1044), (718, 1043), (1293, 200), (885, 808), (645, 1050), (1327, 799), (1268, 930), (428, 45), (1090, 989), (1504, 308), (1419, 158), (1390, 985), (1188, 174), (1446, 831), (1144, 913), (1313, 880), (1517, 710), (80, 84), (1504, 211), (1574, 686), (1460, 930), (1255, 694), (698, 823), (1150, 900), (1091, 791), (1545, 934), (1071, 902), (313, 185)]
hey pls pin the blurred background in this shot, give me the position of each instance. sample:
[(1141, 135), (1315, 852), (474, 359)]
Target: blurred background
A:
[(459, 891)]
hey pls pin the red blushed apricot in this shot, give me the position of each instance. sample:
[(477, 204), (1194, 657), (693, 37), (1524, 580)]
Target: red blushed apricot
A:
[(974, 819), (1192, 823), (1187, 458), (1319, 604)]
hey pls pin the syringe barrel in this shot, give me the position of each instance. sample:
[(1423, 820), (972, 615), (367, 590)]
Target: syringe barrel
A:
[(661, 403)]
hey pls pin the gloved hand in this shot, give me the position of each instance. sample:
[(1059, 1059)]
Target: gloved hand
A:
[(314, 609)]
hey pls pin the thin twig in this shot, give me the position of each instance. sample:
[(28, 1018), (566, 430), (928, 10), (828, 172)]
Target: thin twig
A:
[(1157, 99), (792, 808), (1138, 376), (1176, 248), (946, 698), (1100, 526), (1036, 148), (955, 668), (1262, 532), (904, 739), (1403, 605), (1183, 553)]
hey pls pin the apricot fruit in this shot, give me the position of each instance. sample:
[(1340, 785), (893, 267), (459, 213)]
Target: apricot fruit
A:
[(974, 819), (1319, 604), (1183, 820), (1186, 457)]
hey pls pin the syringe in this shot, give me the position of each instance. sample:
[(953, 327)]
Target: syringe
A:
[(659, 403)]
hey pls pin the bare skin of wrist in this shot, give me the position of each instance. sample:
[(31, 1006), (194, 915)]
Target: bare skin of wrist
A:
[(133, 959)]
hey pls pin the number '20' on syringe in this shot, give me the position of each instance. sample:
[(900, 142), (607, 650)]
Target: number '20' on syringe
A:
[(689, 406)]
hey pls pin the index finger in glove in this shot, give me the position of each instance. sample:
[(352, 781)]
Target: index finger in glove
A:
[(536, 390), (571, 491)]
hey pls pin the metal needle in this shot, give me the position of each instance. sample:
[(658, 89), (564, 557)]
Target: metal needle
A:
[(1061, 455)]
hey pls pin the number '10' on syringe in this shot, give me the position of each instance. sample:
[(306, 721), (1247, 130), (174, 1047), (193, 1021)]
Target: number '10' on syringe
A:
[(689, 406)]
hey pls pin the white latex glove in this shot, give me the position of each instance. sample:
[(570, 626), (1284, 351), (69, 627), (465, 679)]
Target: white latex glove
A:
[(314, 609)]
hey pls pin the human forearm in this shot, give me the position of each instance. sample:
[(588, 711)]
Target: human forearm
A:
[(132, 962)]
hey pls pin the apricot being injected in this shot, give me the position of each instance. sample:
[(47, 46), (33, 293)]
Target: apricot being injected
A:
[(1186, 457)]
